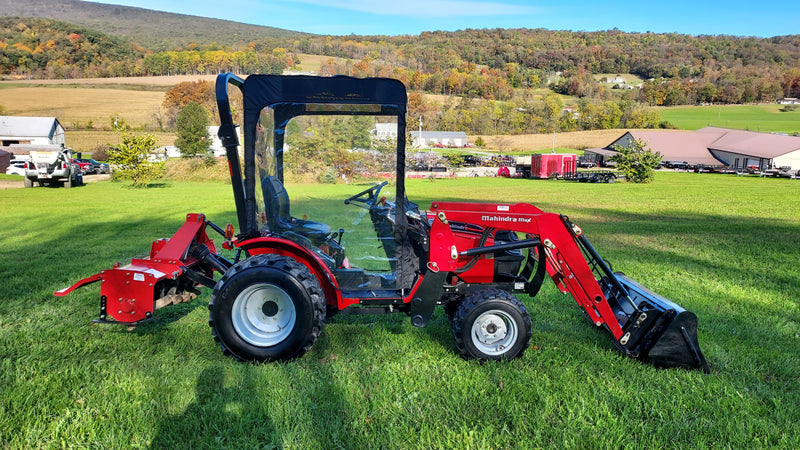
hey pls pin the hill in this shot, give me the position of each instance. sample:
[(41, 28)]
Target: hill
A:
[(154, 30)]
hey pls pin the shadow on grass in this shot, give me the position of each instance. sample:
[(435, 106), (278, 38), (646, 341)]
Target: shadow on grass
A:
[(34, 268), (219, 416)]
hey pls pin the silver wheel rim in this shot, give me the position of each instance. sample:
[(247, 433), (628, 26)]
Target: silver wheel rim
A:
[(494, 332), (263, 315)]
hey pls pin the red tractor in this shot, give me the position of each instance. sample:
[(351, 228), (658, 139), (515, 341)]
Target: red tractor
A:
[(292, 270)]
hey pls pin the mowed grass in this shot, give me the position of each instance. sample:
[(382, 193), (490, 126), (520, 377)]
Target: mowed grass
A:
[(724, 247), (76, 106), (529, 143), (765, 118)]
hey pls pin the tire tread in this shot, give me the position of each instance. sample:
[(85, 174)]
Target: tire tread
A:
[(475, 300), (290, 266)]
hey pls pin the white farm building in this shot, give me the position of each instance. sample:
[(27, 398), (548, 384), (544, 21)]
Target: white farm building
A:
[(438, 139), (31, 131)]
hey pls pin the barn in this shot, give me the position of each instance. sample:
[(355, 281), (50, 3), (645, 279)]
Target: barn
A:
[(31, 131), (713, 147), (742, 149)]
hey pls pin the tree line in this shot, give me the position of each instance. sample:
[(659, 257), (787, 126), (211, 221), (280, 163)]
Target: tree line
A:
[(490, 64)]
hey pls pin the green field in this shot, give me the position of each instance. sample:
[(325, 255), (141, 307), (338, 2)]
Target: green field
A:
[(724, 247), (766, 118)]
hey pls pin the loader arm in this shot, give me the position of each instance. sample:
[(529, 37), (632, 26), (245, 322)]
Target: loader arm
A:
[(565, 263), (643, 324)]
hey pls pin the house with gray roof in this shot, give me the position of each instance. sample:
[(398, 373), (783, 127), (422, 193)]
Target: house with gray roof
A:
[(740, 149), (31, 131)]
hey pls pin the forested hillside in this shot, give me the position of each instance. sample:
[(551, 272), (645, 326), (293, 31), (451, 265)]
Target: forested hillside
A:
[(685, 69), (47, 48), (488, 64), (154, 30), (497, 81)]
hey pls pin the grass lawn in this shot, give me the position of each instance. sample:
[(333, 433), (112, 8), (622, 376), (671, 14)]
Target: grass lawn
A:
[(724, 247), (765, 118)]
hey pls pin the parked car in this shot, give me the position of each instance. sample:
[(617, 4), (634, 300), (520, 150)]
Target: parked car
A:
[(83, 166), (92, 166), (752, 169), (53, 166), (586, 163), (677, 165), (16, 168)]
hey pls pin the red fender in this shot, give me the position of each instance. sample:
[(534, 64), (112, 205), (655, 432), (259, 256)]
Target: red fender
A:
[(285, 247)]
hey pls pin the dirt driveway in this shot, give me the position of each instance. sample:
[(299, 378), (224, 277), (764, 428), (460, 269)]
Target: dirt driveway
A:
[(11, 184)]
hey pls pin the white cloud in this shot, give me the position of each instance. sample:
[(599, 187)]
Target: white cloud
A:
[(427, 8)]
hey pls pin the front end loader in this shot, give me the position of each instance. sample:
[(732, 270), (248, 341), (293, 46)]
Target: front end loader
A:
[(292, 270)]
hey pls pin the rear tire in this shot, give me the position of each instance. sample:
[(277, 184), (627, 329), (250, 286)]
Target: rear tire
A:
[(491, 325), (267, 308)]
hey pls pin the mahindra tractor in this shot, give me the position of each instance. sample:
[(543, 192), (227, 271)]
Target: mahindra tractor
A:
[(302, 258)]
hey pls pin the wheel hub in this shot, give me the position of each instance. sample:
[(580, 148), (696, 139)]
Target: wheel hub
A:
[(494, 332), (263, 315), (491, 328), (269, 308)]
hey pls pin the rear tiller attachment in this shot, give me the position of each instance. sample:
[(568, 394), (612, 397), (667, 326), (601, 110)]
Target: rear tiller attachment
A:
[(170, 274)]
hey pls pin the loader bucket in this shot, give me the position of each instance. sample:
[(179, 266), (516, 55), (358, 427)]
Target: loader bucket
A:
[(658, 331)]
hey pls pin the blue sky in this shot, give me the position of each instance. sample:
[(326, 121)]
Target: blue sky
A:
[(764, 18)]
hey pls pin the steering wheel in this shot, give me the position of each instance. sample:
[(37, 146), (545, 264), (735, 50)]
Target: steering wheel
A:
[(373, 195)]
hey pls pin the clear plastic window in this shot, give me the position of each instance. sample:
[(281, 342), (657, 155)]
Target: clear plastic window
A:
[(326, 160)]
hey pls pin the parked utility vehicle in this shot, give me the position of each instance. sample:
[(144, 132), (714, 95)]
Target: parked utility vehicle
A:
[(373, 251), (52, 165)]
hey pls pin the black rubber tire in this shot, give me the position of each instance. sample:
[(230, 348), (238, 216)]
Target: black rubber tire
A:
[(284, 276), (450, 309), (492, 307)]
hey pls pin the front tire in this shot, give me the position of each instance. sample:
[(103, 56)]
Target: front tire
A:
[(267, 308), (491, 325)]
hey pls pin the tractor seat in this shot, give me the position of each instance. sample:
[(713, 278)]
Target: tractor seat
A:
[(278, 218)]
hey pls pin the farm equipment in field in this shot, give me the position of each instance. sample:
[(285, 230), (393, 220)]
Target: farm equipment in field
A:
[(594, 176), (292, 270), (51, 165)]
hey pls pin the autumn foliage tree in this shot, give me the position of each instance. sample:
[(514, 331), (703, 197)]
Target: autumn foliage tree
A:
[(200, 92)]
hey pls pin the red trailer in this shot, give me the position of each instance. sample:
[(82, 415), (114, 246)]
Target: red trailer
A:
[(547, 165)]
